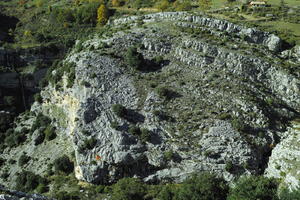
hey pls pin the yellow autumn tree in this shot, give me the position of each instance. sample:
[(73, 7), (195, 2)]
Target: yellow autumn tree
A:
[(115, 3), (102, 17)]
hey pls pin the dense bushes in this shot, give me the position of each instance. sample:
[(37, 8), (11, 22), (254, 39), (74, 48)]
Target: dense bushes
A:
[(128, 189), (253, 188), (5, 121), (165, 93), (13, 139), (46, 130), (67, 69), (203, 187), (84, 14), (63, 164), (285, 194), (28, 181), (40, 121)]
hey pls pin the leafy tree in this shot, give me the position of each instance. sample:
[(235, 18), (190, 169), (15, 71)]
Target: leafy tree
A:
[(103, 15), (128, 189), (253, 188), (205, 4)]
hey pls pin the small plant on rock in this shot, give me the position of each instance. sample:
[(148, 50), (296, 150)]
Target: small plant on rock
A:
[(134, 130), (119, 110)]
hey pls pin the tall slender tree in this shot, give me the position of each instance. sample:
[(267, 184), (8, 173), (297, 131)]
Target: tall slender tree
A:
[(103, 15)]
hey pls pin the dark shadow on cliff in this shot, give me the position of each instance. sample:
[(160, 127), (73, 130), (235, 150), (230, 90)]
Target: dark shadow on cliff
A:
[(134, 117)]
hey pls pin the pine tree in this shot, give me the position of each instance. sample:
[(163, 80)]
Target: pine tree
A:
[(102, 15)]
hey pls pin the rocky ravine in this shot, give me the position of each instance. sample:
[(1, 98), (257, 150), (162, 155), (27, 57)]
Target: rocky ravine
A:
[(230, 100)]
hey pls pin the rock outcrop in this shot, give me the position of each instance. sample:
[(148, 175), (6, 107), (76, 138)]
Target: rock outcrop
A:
[(285, 159), (17, 195), (225, 100)]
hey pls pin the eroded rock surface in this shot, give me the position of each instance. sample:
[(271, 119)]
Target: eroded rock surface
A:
[(228, 100)]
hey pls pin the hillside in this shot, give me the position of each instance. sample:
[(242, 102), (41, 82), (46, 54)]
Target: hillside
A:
[(157, 97)]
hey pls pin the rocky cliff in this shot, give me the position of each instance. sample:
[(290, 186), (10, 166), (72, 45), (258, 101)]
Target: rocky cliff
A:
[(211, 96)]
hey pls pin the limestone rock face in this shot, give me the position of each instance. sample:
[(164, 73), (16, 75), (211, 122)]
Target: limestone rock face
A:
[(285, 159), (271, 41), (17, 195), (182, 140), (210, 96)]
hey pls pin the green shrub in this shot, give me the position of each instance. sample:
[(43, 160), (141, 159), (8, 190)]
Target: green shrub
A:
[(9, 100), (225, 116), (50, 133), (28, 181), (38, 98), (63, 195), (42, 188), (253, 188), (286, 194), (229, 166), (23, 160), (2, 161), (169, 155), (164, 92), (238, 125), (89, 143), (119, 110), (114, 125), (204, 186), (145, 135), (128, 189), (14, 139), (168, 192), (183, 6), (40, 138), (40, 121), (5, 122), (134, 59), (134, 130), (5, 174), (63, 164), (87, 13)]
